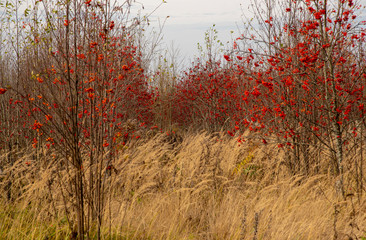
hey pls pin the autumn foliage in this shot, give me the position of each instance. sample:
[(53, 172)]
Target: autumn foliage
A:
[(301, 85), (297, 82)]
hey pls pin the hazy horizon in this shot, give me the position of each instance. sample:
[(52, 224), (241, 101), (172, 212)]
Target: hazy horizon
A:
[(190, 19)]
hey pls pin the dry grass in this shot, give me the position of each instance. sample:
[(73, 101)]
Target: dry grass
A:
[(196, 187)]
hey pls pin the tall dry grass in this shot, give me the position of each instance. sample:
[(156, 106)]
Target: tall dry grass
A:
[(196, 186)]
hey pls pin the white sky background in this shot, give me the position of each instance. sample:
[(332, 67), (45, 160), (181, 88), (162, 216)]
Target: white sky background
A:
[(190, 19)]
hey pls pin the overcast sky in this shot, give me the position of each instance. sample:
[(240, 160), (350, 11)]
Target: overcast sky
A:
[(189, 19)]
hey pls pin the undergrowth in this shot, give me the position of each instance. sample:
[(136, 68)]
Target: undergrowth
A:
[(196, 186)]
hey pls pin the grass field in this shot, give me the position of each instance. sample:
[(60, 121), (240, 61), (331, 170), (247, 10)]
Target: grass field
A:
[(196, 186)]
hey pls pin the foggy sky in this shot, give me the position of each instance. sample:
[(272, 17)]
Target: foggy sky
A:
[(189, 19)]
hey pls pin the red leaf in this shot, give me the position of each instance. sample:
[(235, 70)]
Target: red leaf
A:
[(93, 44), (361, 107), (230, 133), (111, 25), (89, 90), (81, 56), (256, 92)]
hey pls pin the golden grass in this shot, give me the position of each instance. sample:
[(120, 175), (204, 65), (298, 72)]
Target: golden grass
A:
[(203, 187)]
